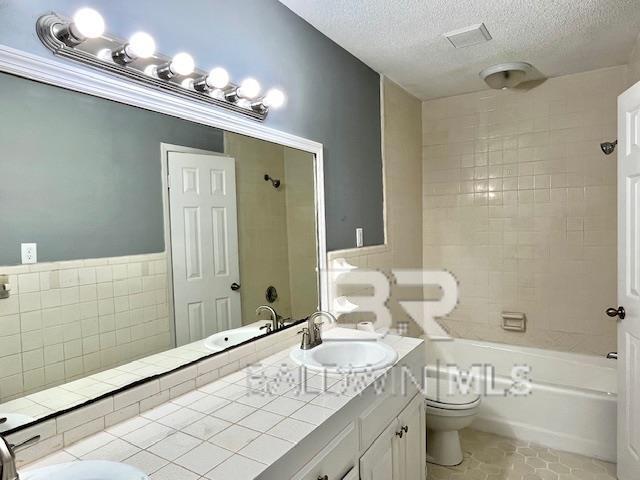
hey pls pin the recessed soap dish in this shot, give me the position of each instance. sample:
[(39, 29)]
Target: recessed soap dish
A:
[(514, 321)]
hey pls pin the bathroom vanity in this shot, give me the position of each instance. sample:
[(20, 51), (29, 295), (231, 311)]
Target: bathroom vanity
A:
[(277, 420)]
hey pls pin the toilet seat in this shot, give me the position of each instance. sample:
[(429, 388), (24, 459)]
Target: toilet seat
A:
[(438, 396)]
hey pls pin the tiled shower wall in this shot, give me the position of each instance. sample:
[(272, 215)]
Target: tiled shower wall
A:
[(65, 320), (519, 203)]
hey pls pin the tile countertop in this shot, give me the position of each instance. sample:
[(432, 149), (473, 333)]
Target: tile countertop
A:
[(235, 427)]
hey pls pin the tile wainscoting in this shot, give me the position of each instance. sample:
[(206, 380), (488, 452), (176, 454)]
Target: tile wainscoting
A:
[(66, 320)]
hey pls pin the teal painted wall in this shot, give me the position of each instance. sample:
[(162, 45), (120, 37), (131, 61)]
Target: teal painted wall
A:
[(333, 97)]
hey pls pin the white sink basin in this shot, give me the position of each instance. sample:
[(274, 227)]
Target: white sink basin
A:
[(229, 338), (85, 470), (351, 356)]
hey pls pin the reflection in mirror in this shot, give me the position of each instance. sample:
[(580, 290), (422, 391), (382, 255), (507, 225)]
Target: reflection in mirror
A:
[(158, 241)]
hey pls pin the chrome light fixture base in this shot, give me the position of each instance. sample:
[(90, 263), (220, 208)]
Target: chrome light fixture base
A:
[(53, 30)]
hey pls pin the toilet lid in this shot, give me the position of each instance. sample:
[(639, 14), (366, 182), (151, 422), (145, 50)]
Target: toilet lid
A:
[(441, 393)]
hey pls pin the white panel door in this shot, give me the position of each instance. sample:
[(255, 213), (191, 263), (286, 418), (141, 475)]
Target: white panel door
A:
[(413, 451), (629, 284), (204, 244), (382, 460)]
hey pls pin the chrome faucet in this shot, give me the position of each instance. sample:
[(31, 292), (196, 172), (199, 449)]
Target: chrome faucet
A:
[(311, 334), (8, 470), (274, 317)]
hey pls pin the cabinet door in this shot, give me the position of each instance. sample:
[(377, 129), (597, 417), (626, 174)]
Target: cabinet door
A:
[(413, 462), (381, 461), (335, 460)]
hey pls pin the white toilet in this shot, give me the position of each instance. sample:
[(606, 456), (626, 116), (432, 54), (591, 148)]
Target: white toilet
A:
[(447, 414)]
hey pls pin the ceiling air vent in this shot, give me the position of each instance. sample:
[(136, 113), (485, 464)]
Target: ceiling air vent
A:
[(468, 36)]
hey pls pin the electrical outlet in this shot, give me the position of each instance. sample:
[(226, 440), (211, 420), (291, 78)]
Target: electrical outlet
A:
[(359, 239), (29, 253)]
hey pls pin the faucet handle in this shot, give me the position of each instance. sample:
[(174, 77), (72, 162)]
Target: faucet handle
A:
[(266, 327), (25, 443), (305, 343)]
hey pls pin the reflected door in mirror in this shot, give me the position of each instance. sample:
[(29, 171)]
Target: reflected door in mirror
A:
[(204, 244)]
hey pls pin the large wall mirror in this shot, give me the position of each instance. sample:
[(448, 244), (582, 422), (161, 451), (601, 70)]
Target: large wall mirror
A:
[(159, 241)]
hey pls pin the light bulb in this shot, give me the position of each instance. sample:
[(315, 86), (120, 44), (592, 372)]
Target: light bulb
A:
[(182, 64), (249, 88), (141, 45), (151, 70), (217, 94), (274, 98), (244, 103), (88, 23), (104, 54), (218, 78)]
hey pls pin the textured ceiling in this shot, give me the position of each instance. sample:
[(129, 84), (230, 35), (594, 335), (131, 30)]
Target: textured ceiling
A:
[(403, 40)]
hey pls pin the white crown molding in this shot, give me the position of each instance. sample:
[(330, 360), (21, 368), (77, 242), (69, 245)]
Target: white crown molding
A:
[(94, 82)]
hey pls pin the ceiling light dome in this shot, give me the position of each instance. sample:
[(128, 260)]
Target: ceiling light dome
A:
[(506, 75)]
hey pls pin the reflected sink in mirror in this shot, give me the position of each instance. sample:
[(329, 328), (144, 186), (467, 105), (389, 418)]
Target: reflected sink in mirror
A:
[(346, 356), (220, 341), (9, 421), (85, 470)]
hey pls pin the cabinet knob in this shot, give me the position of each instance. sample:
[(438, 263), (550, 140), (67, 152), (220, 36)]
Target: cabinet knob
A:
[(323, 477), (405, 428), (400, 433), (619, 312)]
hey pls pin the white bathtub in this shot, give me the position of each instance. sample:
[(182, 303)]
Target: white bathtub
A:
[(572, 405)]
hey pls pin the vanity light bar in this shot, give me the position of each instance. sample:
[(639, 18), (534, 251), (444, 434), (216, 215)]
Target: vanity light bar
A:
[(83, 39)]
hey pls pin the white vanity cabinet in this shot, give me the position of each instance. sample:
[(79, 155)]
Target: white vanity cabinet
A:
[(379, 434), (399, 453)]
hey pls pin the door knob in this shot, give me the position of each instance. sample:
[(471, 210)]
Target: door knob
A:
[(619, 312), (235, 286)]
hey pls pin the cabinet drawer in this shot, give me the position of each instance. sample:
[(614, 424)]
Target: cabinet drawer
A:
[(337, 460)]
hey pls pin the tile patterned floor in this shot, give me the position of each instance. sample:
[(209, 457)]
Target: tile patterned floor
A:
[(490, 457)]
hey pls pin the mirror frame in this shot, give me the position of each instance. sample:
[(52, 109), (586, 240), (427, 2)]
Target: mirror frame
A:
[(85, 80)]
